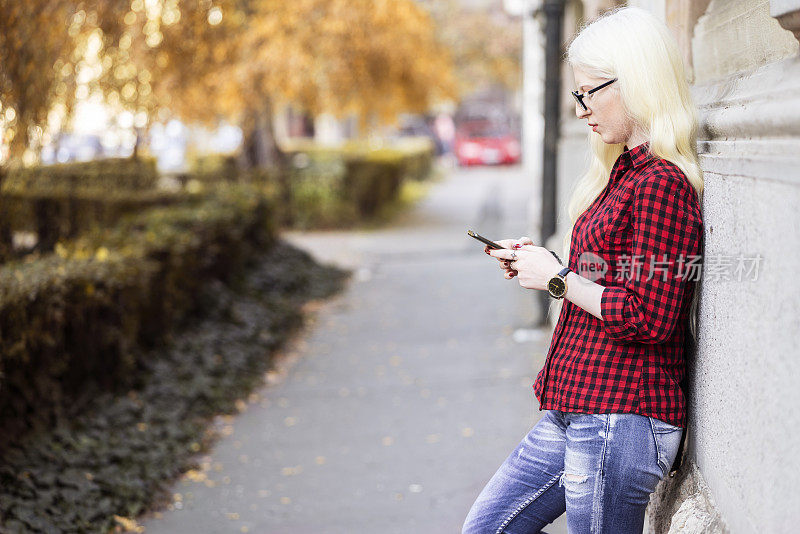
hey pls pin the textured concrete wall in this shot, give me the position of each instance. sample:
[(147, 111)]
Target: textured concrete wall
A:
[(744, 439), (736, 35)]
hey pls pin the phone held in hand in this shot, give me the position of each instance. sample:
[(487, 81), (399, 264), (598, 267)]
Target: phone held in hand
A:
[(489, 243), (492, 244)]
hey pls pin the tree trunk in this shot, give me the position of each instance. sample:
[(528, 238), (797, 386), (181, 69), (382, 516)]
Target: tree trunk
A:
[(260, 150), (137, 144), (6, 241), (259, 146)]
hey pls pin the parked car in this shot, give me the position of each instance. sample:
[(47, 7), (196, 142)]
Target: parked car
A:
[(486, 144)]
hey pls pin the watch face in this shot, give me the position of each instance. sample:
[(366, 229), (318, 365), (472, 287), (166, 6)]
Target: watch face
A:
[(556, 286)]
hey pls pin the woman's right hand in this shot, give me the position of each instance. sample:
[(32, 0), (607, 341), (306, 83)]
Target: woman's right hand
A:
[(508, 272)]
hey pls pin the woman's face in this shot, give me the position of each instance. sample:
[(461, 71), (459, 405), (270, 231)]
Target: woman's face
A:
[(605, 111)]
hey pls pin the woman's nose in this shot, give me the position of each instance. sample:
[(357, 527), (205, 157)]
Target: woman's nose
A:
[(580, 112)]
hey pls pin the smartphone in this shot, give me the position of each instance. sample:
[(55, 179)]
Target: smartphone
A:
[(494, 245), (489, 243)]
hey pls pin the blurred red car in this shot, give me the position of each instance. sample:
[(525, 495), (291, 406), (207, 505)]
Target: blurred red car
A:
[(486, 145)]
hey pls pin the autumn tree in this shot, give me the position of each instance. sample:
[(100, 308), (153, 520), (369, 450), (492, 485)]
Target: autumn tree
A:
[(43, 48), (239, 59), (372, 58), (485, 43), (36, 65), (166, 57), (202, 60)]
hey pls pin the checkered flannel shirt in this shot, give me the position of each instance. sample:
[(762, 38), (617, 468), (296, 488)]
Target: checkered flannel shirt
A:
[(647, 227)]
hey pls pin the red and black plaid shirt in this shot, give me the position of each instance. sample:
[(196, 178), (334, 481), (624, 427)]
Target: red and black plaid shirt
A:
[(645, 228)]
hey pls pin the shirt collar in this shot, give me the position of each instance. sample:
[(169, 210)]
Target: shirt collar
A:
[(638, 155), (635, 157)]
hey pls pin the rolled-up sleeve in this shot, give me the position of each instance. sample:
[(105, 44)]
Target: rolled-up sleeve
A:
[(645, 307)]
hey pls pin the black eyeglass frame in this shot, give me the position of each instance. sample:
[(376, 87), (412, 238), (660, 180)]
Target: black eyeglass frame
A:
[(579, 96)]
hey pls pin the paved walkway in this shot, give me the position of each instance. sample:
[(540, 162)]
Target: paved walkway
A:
[(404, 395)]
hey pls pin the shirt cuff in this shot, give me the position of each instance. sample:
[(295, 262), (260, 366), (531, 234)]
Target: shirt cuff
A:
[(612, 307)]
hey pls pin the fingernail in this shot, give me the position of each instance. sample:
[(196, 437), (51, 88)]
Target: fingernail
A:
[(517, 246)]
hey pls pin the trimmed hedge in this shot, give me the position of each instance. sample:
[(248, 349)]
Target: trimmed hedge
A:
[(215, 168), (62, 201), (130, 174), (57, 215), (340, 187), (329, 187), (322, 188), (373, 179), (75, 316)]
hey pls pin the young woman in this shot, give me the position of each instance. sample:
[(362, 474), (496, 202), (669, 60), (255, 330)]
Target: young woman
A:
[(614, 411)]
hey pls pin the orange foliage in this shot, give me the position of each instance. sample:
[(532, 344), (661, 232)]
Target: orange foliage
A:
[(36, 65), (208, 59), (486, 44)]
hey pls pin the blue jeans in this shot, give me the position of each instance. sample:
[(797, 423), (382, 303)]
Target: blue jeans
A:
[(599, 468)]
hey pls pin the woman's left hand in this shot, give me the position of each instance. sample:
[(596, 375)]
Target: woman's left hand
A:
[(535, 266)]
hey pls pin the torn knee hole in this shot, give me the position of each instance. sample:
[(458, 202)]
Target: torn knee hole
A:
[(576, 479)]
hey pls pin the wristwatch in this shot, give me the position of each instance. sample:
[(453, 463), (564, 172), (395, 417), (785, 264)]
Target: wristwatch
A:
[(557, 286)]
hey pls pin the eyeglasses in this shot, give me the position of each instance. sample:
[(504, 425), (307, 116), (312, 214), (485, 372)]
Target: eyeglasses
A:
[(580, 96)]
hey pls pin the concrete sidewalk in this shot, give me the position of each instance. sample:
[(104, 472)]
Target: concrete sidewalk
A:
[(403, 397)]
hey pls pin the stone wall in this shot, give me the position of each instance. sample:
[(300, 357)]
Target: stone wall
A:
[(734, 36)]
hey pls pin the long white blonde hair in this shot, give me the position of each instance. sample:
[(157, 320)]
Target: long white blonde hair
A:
[(632, 45)]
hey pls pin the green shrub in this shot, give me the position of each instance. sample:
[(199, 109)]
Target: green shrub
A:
[(338, 187), (215, 168), (74, 315), (58, 215), (61, 201), (107, 174), (328, 187)]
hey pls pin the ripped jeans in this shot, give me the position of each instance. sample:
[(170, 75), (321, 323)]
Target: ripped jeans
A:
[(599, 468)]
